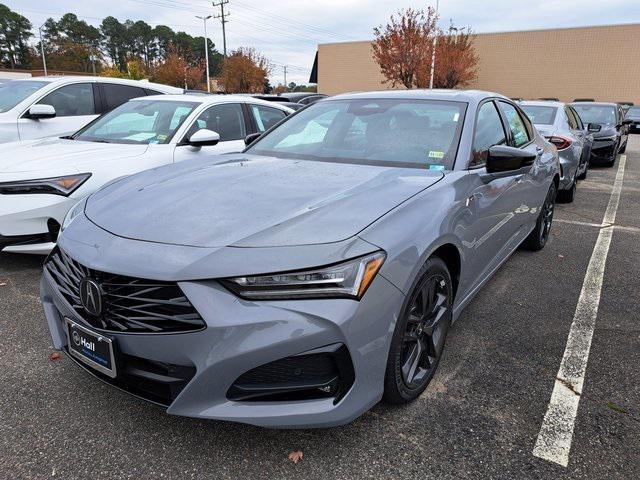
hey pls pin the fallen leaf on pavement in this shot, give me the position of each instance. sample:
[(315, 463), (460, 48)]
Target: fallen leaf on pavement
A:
[(2, 284), (55, 356), (296, 456)]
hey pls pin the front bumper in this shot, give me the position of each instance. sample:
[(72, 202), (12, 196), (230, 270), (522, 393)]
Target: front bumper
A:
[(604, 151), (29, 223), (242, 335)]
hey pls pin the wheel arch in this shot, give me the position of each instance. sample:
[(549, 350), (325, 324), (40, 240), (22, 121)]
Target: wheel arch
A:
[(450, 255)]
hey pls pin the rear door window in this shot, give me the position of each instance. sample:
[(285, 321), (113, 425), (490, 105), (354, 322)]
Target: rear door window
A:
[(266, 117), (115, 95)]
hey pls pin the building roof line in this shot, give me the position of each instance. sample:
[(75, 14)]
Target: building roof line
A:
[(542, 29)]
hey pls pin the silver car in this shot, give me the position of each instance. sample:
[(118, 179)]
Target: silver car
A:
[(561, 125), (300, 282)]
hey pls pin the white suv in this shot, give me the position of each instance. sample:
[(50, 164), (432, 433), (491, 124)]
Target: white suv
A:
[(54, 106)]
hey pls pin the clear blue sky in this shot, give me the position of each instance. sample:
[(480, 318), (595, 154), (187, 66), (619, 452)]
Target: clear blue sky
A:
[(288, 31)]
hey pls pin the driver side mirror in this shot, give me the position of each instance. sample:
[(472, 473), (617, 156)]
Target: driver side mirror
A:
[(627, 121), (594, 127), (249, 139), (204, 138), (41, 111), (505, 159)]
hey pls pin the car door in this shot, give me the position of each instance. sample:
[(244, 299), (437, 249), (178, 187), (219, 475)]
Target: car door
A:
[(226, 119), (265, 117), (75, 106), (492, 201), (580, 137)]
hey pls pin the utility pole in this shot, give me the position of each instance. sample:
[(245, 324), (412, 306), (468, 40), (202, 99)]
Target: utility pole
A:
[(223, 19), (433, 53), (44, 60), (285, 78), (206, 48)]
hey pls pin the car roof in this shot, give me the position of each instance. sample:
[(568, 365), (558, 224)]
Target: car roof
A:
[(542, 103), (121, 81), (601, 104), (422, 94), (210, 99)]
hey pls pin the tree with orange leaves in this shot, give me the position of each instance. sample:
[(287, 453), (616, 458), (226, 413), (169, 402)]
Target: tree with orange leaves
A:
[(245, 71), (176, 71), (456, 59), (403, 47)]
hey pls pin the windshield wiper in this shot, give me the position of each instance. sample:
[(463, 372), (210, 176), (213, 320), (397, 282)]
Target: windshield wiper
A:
[(67, 137)]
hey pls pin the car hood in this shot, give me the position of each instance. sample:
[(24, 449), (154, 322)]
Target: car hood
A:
[(55, 154), (253, 201)]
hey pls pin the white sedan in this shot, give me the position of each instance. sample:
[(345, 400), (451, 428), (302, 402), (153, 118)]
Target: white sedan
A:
[(41, 180), (42, 107)]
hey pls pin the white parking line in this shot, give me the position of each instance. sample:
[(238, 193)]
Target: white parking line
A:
[(554, 440)]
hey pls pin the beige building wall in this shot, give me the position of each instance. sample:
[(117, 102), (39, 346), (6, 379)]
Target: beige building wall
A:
[(588, 62)]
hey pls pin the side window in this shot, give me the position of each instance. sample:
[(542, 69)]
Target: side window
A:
[(573, 125), (72, 100), (266, 117), (577, 118), (115, 95), (226, 119), (489, 132), (148, 91), (516, 124)]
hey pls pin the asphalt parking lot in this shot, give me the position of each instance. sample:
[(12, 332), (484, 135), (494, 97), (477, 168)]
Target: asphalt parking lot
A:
[(479, 418)]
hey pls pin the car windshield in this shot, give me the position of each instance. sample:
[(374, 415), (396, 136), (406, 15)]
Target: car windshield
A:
[(540, 115), (138, 122), (601, 114), (15, 91), (633, 112), (408, 133)]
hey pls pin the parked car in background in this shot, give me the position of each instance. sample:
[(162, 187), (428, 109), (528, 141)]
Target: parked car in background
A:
[(549, 99), (40, 180), (584, 100), (612, 137), (561, 125), (300, 282), (633, 115), (48, 106), (303, 98)]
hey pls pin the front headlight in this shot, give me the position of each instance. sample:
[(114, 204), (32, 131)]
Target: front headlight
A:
[(75, 212), (64, 186), (349, 279)]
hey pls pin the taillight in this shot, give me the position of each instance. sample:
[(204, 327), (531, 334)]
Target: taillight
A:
[(560, 142)]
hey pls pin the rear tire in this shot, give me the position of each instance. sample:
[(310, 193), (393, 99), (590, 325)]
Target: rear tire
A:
[(568, 196), (583, 175), (538, 238), (420, 334)]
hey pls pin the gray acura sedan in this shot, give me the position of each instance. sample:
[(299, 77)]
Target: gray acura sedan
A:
[(300, 282)]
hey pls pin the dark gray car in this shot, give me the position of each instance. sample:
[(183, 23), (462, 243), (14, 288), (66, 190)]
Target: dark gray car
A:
[(300, 282), (561, 125), (611, 137)]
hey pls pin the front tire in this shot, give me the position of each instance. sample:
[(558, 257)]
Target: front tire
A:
[(538, 238), (420, 334)]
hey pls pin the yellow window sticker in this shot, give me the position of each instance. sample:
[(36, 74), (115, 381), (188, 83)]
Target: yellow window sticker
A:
[(161, 138), (436, 154)]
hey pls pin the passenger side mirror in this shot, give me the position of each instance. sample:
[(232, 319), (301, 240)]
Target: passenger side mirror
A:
[(505, 159), (204, 138), (41, 111), (249, 139), (594, 127)]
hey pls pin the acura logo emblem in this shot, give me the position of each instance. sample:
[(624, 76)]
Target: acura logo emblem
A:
[(91, 297)]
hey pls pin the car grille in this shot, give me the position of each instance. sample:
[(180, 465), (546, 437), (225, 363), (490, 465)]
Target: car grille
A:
[(130, 305)]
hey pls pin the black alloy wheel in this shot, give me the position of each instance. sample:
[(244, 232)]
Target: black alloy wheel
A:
[(538, 238), (420, 334)]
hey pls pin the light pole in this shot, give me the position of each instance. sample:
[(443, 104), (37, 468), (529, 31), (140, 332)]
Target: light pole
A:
[(44, 60), (206, 48), (433, 53)]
